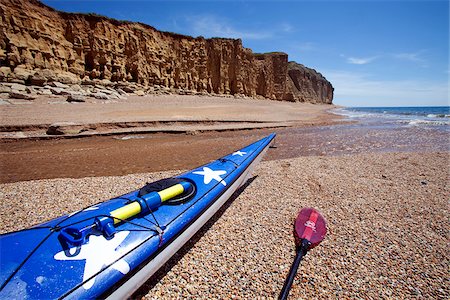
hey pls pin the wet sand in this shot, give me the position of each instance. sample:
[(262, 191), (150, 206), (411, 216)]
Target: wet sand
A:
[(137, 152)]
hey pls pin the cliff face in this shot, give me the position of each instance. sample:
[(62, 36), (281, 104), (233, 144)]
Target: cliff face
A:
[(39, 44), (307, 85)]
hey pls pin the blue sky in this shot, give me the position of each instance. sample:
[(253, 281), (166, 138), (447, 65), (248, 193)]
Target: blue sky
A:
[(375, 53)]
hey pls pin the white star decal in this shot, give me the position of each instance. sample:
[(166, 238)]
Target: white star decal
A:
[(211, 174), (99, 252), (240, 153)]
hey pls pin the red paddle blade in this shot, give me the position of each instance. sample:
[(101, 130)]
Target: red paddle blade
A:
[(310, 225)]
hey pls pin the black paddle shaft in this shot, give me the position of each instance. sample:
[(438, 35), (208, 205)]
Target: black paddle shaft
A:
[(301, 251)]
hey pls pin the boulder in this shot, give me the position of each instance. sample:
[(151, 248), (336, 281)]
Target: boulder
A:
[(87, 81), (21, 74), (115, 95), (105, 91), (65, 92), (38, 80), (4, 73), (64, 128), (15, 80), (42, 76), (30, 90), (127, 88), (44, 92), (17, 87), (47, 73), (76, 88), (67, 78), (59, 85), (122, 92), (76, 98), (56, 91), (100, 95), (20, 95), (4, 88), (106, 82)]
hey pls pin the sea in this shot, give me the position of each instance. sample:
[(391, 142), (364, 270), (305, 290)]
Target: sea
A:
[(370, 130), (435, 117)]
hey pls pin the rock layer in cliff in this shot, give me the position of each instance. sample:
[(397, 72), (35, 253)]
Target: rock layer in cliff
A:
[(40, 45)]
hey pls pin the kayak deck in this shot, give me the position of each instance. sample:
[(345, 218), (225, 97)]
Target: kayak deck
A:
[(39, 263)]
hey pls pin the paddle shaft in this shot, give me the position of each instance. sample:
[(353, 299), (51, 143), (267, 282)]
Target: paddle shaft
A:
[(301, 251)]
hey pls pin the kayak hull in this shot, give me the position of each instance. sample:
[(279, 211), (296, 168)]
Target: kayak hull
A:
[(126, 289), (38, 263)]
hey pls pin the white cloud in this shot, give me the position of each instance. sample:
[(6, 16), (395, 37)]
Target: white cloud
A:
[(414, 57), (359, 89), (212, 26), (361, 60)]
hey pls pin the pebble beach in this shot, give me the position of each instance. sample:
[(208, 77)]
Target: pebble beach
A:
[(387, 228)]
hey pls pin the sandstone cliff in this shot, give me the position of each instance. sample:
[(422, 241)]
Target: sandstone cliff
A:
[(40, 45), (307, 85)]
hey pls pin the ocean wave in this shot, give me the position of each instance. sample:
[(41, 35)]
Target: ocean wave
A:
[(402, 112), (438, 116), (355, 114), (418, 119), (426, 122)]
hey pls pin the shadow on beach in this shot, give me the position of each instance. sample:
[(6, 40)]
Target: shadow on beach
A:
[(162, 272)]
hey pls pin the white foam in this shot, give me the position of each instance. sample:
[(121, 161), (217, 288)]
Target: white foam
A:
[(427, 122)]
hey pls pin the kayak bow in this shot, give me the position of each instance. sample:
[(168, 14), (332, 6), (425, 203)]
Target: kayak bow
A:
[(110, 249)]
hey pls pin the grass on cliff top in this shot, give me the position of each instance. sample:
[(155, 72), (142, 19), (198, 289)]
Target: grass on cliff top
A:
[(271, 53)]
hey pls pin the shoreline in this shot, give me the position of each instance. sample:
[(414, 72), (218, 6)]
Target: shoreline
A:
[(144, 131), (113, 155), (47, 118)]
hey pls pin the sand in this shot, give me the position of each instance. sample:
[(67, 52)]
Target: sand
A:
[(387, 218), (157, 108)]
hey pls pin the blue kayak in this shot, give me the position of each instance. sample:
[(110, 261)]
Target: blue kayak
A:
[(110, 249)]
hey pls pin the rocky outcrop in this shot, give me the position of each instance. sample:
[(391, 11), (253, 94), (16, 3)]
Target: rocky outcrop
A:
[(40, 45), (307, 85)]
